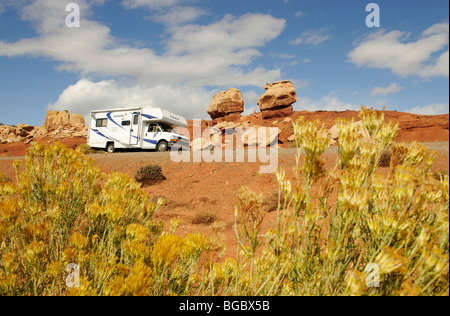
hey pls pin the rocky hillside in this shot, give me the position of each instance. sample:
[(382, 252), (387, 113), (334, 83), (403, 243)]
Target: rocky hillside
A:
[(276, 111), (59, 125)]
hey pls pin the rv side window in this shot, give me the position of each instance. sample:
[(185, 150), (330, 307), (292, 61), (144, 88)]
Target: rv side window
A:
[(126, 123), (101, 123), (136, 120)]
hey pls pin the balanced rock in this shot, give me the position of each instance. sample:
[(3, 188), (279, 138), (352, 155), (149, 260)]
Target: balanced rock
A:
[(279, 96), (226, 103)]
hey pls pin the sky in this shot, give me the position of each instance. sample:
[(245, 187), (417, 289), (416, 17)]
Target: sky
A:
[(177, 54)]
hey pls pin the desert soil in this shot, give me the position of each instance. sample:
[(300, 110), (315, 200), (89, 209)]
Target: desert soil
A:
[(193, 189)]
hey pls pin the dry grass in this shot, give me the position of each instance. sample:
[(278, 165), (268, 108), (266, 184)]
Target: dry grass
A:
[(204, 218)]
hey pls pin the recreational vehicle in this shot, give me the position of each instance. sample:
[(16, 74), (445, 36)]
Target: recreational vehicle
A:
[(136, 128)]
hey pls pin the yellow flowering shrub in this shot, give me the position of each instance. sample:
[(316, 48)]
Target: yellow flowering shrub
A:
[(335, 223), (344, 230), (64, 211)]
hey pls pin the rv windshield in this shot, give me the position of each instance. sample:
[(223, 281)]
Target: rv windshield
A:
[(166, 128)]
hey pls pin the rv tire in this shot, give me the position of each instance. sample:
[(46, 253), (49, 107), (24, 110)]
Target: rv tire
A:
[(162, 146), (110, 148)]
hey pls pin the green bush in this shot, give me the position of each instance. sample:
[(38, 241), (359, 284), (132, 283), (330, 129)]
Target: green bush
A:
[(5, 178), (149, 175), (85, 149)]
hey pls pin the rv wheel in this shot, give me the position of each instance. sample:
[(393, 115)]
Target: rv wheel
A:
[(110, 148), (162, 146)]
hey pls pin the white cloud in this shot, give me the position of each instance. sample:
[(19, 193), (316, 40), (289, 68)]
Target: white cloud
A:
[(217, 54), (312, 38), (179, 15), (299, 14), (213, 54), (226, 35), (393, 51), (393, 88), (86, 95), (282, 56), (441, 68), (432, 109)]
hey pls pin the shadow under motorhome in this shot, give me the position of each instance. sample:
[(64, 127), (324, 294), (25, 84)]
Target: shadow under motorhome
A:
[(136, 128)]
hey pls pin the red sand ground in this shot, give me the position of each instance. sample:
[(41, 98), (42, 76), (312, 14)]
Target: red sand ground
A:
[(195, 188)]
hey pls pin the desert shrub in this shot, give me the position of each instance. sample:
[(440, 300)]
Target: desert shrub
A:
[(85, 149), (204, 218), (385, 159), (149, 175), (272, 201), (4, 178)]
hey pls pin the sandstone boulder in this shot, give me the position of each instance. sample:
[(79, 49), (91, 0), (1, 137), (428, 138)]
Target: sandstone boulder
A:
[(224, 125), (260, 136), (279, 95), (226, 103), (23, 130), (291, 138), (5, 130), (200, 144), (82, 134), (41, 132)]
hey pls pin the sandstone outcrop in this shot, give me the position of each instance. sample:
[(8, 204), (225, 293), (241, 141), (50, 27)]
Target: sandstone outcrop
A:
[(56, 124), (227, 105), (277, 100), (55, 120)]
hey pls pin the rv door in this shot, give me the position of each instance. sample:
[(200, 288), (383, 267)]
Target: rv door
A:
[(134, 132)]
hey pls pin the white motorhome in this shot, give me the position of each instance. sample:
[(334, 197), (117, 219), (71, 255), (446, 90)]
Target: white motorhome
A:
[(135, 128)]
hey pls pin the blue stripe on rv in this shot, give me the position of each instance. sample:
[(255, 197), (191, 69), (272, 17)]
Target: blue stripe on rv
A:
[(110, 118), (154, 142), (98, 133), (148, 116)]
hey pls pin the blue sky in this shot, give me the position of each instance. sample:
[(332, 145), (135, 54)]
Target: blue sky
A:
[(177, 54)]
